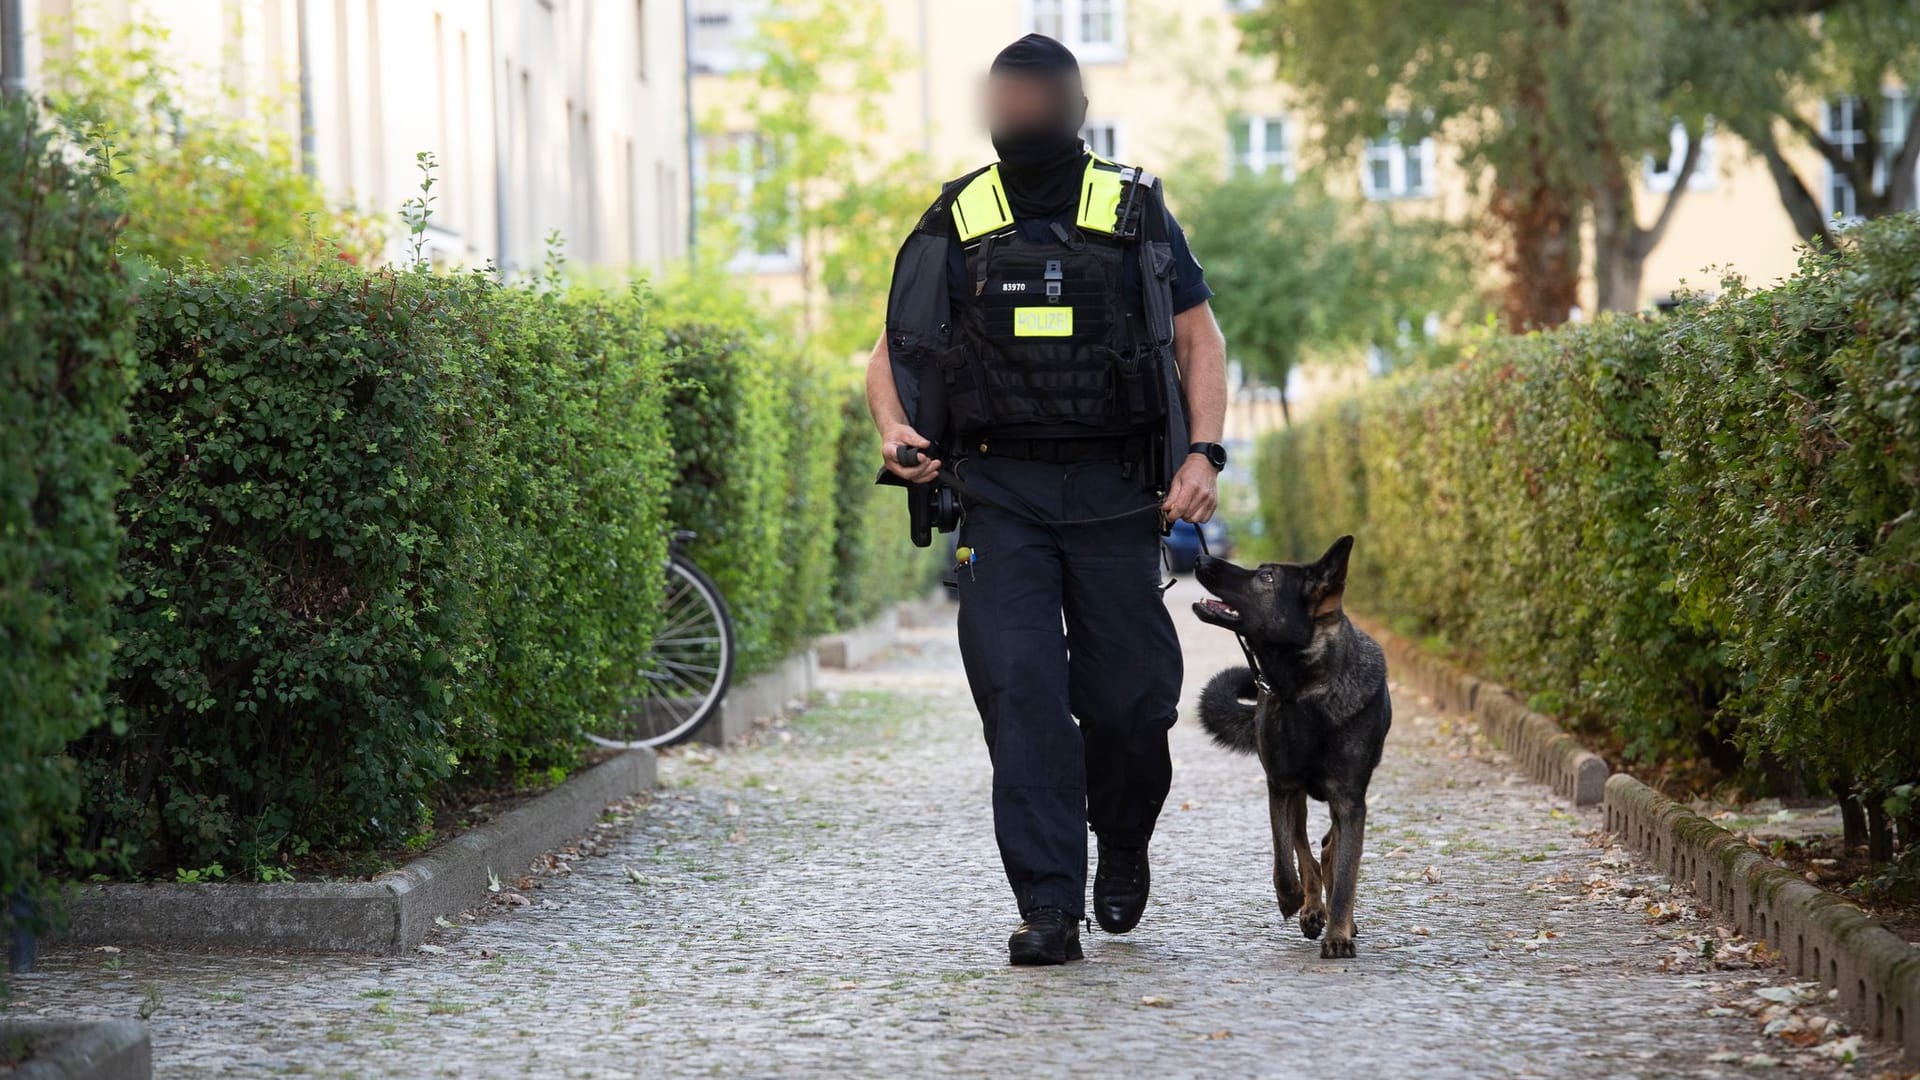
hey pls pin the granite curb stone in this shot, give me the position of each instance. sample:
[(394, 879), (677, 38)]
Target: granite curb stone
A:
[(88, 1050), (390, 914)]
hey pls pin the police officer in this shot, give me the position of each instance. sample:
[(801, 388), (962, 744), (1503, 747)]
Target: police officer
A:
[(1051, 356)]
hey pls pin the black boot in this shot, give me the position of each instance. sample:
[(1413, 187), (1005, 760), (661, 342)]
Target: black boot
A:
[(1048, 936), (1120, 887)]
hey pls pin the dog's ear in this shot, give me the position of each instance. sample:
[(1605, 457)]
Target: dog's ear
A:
[(1330, 578)]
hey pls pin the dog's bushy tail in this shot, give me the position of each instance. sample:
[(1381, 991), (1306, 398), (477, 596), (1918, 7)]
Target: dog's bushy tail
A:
[(1226, 709)]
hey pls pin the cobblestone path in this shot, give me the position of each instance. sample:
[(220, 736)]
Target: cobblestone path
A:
[(829, 902)]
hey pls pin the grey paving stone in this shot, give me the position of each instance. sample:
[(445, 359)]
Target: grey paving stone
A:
[(829, 902)]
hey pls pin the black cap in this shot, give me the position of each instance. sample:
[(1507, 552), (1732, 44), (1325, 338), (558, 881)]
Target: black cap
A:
[(1039, 56)]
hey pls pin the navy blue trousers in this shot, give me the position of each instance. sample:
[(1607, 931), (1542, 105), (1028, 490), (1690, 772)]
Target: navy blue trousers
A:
[(1058, 623)]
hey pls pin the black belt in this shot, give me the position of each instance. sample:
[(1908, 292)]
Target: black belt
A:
[(1065, 451)]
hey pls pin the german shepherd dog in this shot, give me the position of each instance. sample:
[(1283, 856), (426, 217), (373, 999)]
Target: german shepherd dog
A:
[(1314, 710)]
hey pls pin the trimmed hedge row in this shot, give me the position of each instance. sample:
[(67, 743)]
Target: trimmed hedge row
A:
[(776, 460), (385, 540), (66, 368), (392, 534), (1688, 534)]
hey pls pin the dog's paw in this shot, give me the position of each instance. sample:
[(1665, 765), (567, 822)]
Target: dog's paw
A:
[(1312, 921), (1290, 902), (1336, 948)]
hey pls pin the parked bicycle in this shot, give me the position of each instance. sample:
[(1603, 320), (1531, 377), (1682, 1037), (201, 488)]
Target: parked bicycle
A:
[(686, 675)]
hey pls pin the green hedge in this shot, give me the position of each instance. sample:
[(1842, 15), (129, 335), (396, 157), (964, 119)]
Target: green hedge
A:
[(66, 370), (1677, 532), (876, 562), (776, 459), (584, 465), (392, 535), (729, 419), (385, 542)]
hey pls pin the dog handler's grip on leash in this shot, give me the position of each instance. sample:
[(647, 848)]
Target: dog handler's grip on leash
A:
[(902, 450)]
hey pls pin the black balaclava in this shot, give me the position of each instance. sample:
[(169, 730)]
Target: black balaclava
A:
[(1041, 166)]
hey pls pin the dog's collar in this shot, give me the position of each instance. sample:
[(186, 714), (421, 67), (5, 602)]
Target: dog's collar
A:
[(1259, 674)]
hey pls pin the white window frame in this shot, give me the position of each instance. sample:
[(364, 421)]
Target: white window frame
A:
[(1072, 26), (1658, 173), (1116, 133), (740, 18), (1396, 154), (1269, 145), (1894, 106), (745, 181)]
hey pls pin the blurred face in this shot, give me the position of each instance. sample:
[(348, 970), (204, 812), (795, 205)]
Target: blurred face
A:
[(1023, 104)]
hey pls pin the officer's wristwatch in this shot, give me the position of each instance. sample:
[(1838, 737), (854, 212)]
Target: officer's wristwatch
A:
[(1215, 454)]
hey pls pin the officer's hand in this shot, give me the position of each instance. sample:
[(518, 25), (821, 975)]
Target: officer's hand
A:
[(892, 440), (1195, 492)]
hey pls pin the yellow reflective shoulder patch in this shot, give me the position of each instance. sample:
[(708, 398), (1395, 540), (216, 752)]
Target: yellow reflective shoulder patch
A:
[(1100, 198), (981, 206), (1043, 322)]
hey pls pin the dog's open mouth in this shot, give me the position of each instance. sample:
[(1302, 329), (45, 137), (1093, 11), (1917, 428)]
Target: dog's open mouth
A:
[(1216, 611)]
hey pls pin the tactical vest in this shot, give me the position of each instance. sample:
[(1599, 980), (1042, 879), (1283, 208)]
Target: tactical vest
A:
[(1044, 345)]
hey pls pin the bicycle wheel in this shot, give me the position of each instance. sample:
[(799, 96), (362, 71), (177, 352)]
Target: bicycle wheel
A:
[(686, 675)]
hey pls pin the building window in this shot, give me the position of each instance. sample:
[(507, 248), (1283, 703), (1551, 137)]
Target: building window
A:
[(1844, 123), (1391, 169), (722, 30), (1096, 30), (1103, 138), (728, 174), (1662, 169), (1260, 144)]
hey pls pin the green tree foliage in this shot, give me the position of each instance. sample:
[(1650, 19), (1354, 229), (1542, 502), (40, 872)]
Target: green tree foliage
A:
[(1811, 55), (1552, 105), (67, 366), (1678, 532), (1299, 270), (844, 194), (208, 180)]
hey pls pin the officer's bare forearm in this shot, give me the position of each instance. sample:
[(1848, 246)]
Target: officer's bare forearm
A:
[(883, 398), (1202, 355)]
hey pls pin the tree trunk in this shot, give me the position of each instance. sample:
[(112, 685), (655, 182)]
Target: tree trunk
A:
[(1618, 268), (1620, 245), (1879, 831), (1542, 259), (1809, 220), (1853, 817)]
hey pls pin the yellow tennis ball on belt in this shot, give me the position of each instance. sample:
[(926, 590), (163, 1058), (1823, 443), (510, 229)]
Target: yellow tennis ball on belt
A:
[(964, 554)]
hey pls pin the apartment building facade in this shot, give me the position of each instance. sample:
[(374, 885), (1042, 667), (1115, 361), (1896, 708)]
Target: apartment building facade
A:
[(543, 115)]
